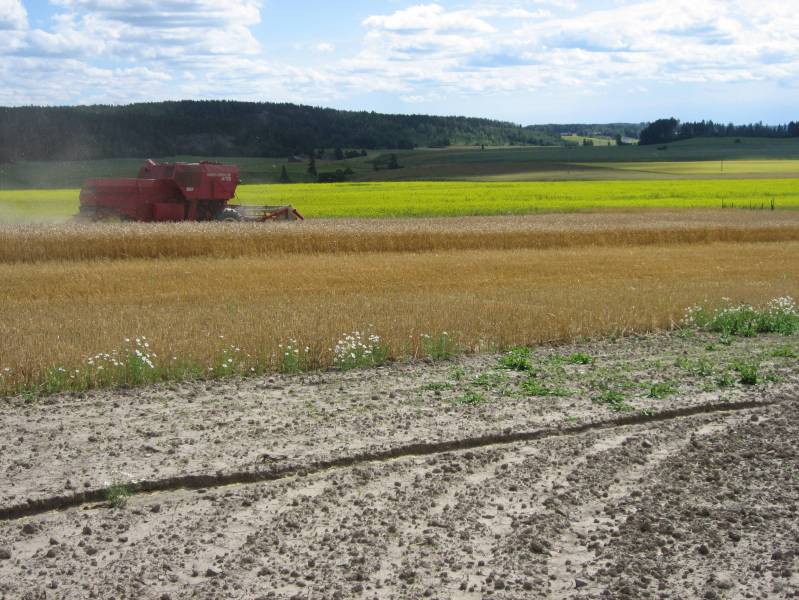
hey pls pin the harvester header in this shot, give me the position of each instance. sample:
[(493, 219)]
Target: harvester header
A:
[(174, 192)]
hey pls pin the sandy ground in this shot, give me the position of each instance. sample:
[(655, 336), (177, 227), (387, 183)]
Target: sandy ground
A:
[(449, 480)]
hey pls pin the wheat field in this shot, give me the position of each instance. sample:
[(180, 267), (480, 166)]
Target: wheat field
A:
[(58, 313), (35, 243)]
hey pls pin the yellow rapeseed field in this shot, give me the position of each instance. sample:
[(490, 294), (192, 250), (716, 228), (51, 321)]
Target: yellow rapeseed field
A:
[(468, 198)]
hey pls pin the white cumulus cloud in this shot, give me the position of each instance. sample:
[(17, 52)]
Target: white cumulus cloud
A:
[(168, 29), (415, 52), (13, 15), (430, 17), (713, 41)]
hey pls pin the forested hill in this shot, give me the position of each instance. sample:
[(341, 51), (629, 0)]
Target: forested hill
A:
[(672, 130), (226, 128)]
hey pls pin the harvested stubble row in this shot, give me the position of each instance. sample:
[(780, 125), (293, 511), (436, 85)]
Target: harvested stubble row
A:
[(34, 243), (59, 313)]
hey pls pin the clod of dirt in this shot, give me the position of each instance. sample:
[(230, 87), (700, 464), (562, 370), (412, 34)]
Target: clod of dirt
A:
[(538, 547), (29, 529), (724, 581), (5, 554)]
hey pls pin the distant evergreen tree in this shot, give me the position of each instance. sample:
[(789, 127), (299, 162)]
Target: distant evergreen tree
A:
[(284, 175), (312, 164), (339, 153), (659, 132), (393, 163)]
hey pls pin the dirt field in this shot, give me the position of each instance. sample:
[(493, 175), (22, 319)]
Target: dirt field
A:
[(445, 480)]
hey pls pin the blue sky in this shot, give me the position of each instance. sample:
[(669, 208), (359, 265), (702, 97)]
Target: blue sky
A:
[(528, 61)]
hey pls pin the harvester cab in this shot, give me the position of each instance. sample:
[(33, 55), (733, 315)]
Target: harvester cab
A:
[(174, 192)]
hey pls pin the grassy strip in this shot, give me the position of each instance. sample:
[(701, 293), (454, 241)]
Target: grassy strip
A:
[(781, 315)]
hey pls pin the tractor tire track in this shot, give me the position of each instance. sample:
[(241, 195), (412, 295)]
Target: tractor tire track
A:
[(571, 561), (221, 478)]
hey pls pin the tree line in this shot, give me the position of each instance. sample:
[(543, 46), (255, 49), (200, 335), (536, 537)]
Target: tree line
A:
[(611, 130), (671, 130), (229, 128)]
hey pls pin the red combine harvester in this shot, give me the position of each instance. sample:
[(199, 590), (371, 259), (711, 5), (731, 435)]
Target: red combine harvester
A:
[(174, 192)]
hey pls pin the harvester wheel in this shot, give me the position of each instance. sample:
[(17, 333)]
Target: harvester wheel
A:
[(228, 214)]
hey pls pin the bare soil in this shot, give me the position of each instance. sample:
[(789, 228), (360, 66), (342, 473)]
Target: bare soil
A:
[(631, 468)]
